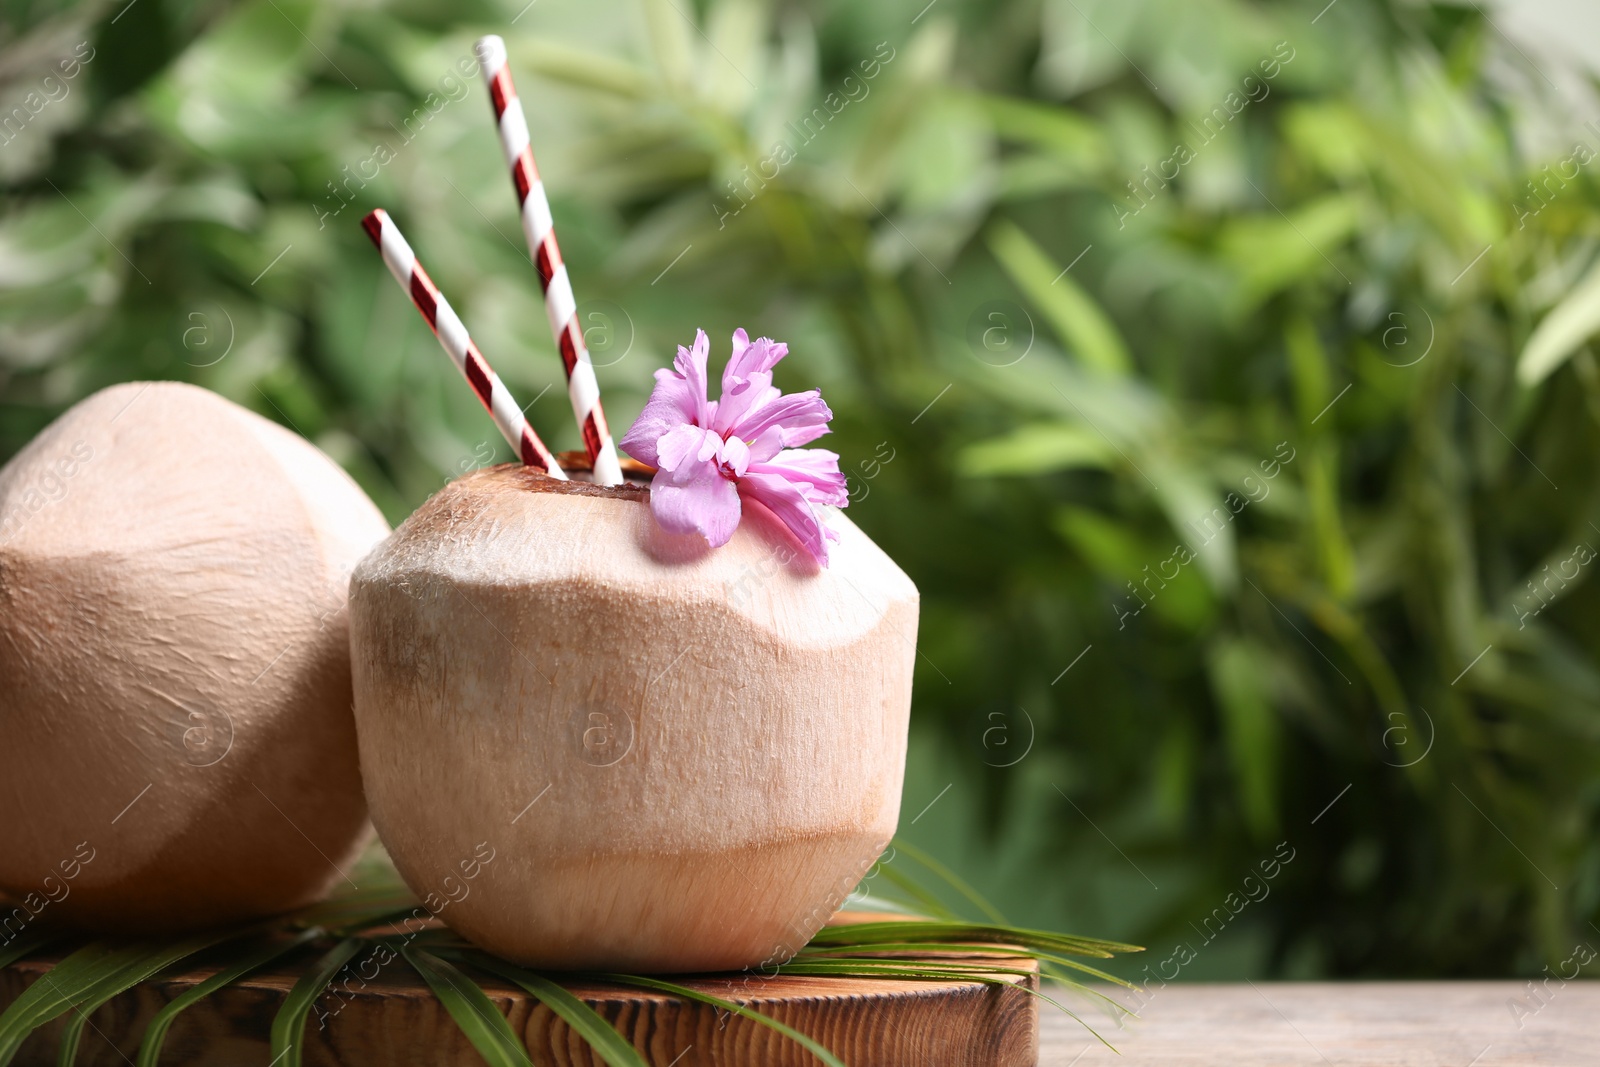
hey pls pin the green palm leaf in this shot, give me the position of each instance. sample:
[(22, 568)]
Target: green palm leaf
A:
[(360, 909), (155, 959), (933, 933), (943, 971), (948, 948), (156, 1033), (790, 1032), (589, 1024), (24, 945), (82, 982), (289, 1025), (918, 894), (880, 967), (56, 991), (472, 1010), (1056, 967), (949, 877)]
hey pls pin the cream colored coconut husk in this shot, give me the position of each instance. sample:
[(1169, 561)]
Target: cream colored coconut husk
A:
[(589, 744), (178, 749)]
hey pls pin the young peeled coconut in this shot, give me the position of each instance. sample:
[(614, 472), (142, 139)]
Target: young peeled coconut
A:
[(178, 749), (588, 743)]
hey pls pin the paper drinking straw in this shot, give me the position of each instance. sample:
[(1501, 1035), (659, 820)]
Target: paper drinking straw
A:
[(452, 335), (559, 306)]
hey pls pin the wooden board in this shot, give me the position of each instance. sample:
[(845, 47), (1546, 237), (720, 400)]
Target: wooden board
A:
[(1356, 1024), (395, 1020)]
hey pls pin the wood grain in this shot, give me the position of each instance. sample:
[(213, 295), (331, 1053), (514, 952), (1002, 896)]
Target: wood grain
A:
[(1324, 1024), (396, 1021)]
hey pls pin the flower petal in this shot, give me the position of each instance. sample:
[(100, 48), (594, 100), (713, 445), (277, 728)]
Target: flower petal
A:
[(705, 503), (670, 405), (735, 455), (747, 379), (683, 448), (691, 363), (743, 398), (815, 469), (751, 358), (799, 417), (789, 502)]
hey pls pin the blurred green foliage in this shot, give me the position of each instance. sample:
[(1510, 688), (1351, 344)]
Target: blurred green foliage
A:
[(1228, 504)]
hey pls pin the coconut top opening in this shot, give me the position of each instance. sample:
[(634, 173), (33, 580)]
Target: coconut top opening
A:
[(502, 531), (579, 469)]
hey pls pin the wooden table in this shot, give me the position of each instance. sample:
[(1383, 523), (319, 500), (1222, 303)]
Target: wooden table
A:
[(1320, 1024), (396, 1021)]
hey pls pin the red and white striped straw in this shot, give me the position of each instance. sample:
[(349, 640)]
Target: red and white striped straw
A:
[(559, 305), (452, 335)]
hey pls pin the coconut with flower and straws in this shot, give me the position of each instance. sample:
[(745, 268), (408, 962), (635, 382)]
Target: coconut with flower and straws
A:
[(717, 760)]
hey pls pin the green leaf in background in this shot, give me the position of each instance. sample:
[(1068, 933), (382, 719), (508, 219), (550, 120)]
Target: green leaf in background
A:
[(1065, 151), (1318, 461), (1038, 448), (1273, 252), (1204, 521), (580, 67), (1240, 677), (1065, 134), (1138, 572), (672, 42), (1568, 325), (1080, 323)]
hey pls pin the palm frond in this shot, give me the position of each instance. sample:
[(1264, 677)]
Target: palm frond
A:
[(26, 944), (944, 971), (271, 949), (289, 1025), (86, 979), (918, 895), (949, 948), (472, 1010), (360, 909), (589, 1024), (932, 933), (663, 986), (949, 877)]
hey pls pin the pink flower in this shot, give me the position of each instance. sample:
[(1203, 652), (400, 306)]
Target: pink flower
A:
[(710, 454)]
